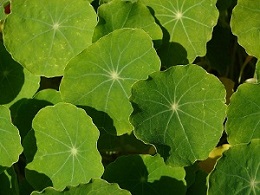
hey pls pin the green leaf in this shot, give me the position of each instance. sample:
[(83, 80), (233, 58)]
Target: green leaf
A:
[(237, 171), (49, 95), (96, 187), (48, 33), (66, 139), (10, 141), (125, 14), (145, 174), (189, 23), (15, 81), (182, 108), (101, 77), (243, 114), (245, 25)]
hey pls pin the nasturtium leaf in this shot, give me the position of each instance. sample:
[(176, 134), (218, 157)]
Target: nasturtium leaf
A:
[(49, 95), (43, 35), (10, 141), (15, 81), (245, 25), (237, 171), (125, 14), (243, 114), (96, 187), (145, 174), (66, 140), (182, 108), (189, 23), (102, 75)]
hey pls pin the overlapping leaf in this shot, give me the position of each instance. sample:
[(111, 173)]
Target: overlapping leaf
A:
[(183, 109), (48, 33), (10, 141), (245, 24), (188, 23), (125, 14), (237, 172), (102, 75), (243, 114), (66, 141)]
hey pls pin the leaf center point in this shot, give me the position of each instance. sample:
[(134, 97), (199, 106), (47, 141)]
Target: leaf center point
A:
[(174, 107), (56, 26), (114, 75), (178, 15), (74, 151)]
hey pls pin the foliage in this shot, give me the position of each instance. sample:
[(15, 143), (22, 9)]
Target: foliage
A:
[(129, 97)]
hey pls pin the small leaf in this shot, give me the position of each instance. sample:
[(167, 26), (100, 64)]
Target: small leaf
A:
[(245, 25), (243, 114), (145, 174), (189, 23), (125, 14), (182, 108), (66, 139), (101, 77), (10, 141), (48, 33), (237, 171)]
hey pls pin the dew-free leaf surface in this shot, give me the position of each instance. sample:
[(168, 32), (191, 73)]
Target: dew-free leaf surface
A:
[(145, 174), (66, 140), (102, 75), (96, 187), (125, 14), (237, 171), (10, 141), (189, 23), (243, 115), (48, 33), (245, 25), (181, 108)]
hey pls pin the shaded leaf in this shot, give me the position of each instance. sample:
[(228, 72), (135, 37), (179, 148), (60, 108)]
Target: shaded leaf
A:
[(182, 109)]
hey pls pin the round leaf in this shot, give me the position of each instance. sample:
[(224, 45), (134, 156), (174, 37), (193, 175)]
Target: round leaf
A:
[(66, 139), (48, 33), (145, 174), (125, 14), (245, 25), (10, 141), (243, 114), (183, 109), (102, 75), (188, 22), (237, 172)]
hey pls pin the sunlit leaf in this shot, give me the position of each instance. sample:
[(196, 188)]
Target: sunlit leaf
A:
[(101, 77), (44, 35), (66, 140), (182, 109)]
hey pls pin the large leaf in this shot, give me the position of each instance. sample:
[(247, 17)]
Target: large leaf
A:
[(10, 141), (125, 14), (245, 24), (188, 22), (243, 114), (237, 172), (145, 174), (66, 140), (102, 75), (15, 81), (48, 33), (182, 109), (97, 187)]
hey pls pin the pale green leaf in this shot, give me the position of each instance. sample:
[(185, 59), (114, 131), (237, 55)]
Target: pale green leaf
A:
[(10, 141), (101, 77), (182, 109), (145, 174), (188, 22), (245, 25), (48, 33), (237, 172), (66, 140), (125, 14), (243, 115)]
